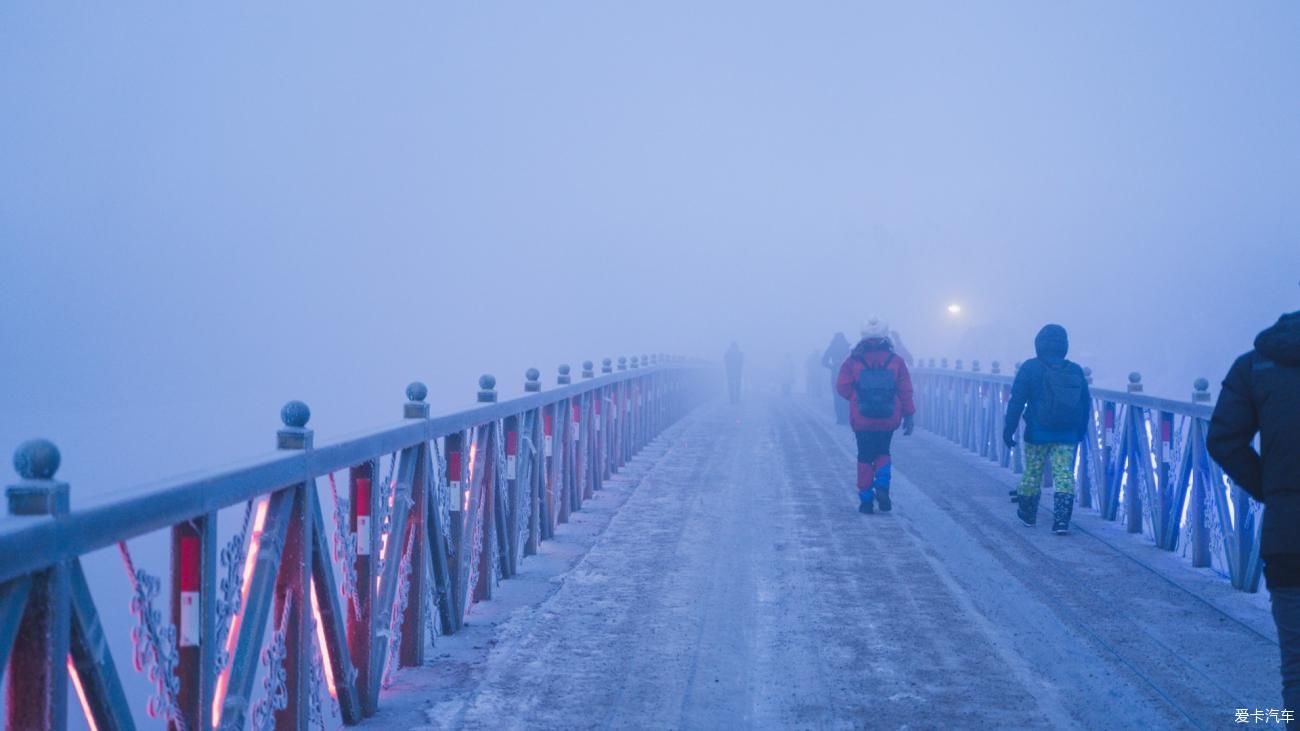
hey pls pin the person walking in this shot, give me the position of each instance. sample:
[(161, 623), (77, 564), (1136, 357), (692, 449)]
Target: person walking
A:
[(1261, 395), (1051, 393), (812, 368), (836, 353), (735, 362), (877, 386)]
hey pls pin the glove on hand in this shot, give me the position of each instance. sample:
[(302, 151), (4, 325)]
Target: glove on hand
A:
[(907, 425), (1009, 438)]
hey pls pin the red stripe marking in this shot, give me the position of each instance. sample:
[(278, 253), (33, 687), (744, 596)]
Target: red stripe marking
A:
[(189, 563), (363, 496)]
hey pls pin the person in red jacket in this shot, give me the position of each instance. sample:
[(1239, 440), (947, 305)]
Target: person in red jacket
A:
[(878, 387)]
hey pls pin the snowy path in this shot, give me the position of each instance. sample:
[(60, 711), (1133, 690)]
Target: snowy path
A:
[(729, 582)]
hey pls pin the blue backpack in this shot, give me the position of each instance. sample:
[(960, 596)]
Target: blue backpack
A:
[(876, 389), (1061, 401)]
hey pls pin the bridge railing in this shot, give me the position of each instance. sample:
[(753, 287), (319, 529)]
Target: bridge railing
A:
[(1143, 463), (321, 590)]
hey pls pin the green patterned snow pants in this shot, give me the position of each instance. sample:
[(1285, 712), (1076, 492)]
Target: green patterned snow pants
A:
[(1037, 456)]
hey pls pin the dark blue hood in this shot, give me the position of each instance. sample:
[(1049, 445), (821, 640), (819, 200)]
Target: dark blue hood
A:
[(1281, 342), (1052, 343)]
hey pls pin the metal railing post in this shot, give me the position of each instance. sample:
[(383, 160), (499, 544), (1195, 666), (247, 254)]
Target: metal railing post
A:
[(485, 474), (37, 695), (565, 472), (293, 581), (457, 559), (411, 652), (1133, 423), (363, 512)]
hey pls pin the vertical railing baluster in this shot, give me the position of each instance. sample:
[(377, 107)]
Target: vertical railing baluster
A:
[(194, 615), (454, 444), (363, 512), (411, 653), (38, 663), (292, 585)]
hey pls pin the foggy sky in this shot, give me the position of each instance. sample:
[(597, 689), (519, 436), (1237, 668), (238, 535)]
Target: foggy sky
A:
[(206, 211)]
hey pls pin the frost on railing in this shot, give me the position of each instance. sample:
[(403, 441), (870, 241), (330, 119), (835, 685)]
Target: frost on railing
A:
[(474, 513), (383, 523), (432, 604), (315, 710), (275, 685), (502, 495), (345, 548), (395, 620), (439, 494), (154, 645), (231, 585), (523, 510)]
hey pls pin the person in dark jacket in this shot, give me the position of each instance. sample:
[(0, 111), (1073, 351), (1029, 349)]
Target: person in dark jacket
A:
[(734, 361), (836, 353), (889, 383), (1261, 394), (812, 369), (1051, 393)]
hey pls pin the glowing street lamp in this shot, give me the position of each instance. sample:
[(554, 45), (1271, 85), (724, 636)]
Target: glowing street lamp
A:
[(954, 309)]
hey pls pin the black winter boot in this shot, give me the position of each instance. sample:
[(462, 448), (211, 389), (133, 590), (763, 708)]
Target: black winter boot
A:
[(1028, 510), (1015, 496), (882, 499), (1062, 509)]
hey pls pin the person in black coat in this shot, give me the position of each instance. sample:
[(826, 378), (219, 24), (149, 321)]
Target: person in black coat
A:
[(1261, 394), (735, 362), (836, 353)]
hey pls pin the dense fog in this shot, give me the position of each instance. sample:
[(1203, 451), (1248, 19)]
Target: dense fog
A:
[(207, 211)]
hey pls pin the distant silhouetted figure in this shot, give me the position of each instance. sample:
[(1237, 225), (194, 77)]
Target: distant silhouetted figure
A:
[(1052, 395), (1261, 394), (813, 374), (735, 362), (899, 349), (878, 387), (836, 353)]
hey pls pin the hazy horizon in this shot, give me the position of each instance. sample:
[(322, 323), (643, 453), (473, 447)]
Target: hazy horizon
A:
[(208, 211)]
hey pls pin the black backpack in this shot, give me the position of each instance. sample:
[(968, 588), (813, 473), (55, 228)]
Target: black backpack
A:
[(1061, 401), (876, 389)]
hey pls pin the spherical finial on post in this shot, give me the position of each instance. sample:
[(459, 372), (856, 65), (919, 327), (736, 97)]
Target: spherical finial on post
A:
[(295, 415), (588, 369), (532, 380), (634, 362), (1135, 382), (606, 365), (943, 363), (37, 459), (996, 368), (295, 434), (415, 407), (1201, 394), (487, 384), (622, 362), (957, 365), (37, 493), (654, 359), (975, 366), (932, 362), (563, 379)]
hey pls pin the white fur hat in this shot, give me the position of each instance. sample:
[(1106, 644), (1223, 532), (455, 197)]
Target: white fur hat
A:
[(875, 328)]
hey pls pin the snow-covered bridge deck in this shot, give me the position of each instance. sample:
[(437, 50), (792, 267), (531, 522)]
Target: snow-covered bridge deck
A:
[(724, 579)]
